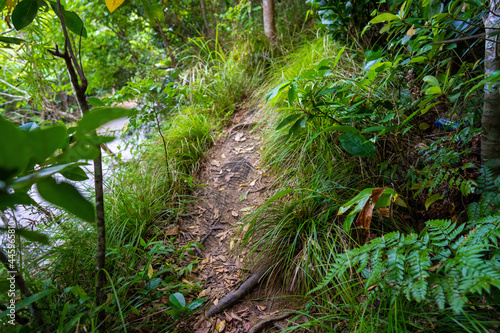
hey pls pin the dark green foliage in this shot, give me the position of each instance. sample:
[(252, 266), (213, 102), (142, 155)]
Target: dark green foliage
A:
[(445, 264)]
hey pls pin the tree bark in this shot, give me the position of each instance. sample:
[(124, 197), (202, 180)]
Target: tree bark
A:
[(269, 23), (490, 141), (76, 72), (204, 13)]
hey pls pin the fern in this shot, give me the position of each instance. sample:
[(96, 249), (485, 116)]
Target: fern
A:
[(445, 264)]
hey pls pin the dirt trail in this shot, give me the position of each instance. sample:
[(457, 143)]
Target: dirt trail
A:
[(234, 186)]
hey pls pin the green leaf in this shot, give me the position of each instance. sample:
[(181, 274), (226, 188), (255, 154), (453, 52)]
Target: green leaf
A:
[(14, 199), (27, 301), (288, 120), (76, 174), (42, 173), (292, 93), (24, 13), (44, 141), (153, 12), (34, 236), (67, 197), (177, 300), (195, 304), (13, 150), (273, 93), (73, 22), (294, 130), (98, 117), (384, 17), (431, 80), (328, 91), (362, 197), (357, 146), (94, 101), (373, 129), (433, 198), (11, 40)]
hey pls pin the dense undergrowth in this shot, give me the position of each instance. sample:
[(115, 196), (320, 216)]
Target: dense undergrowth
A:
[(376, 214), (384, 221)]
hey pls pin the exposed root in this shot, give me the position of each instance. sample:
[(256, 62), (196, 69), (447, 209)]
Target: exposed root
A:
[(268, 321), (237, 294)]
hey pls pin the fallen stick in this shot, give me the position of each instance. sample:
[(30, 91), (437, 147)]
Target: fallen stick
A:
[(265, 322), (235, 295)]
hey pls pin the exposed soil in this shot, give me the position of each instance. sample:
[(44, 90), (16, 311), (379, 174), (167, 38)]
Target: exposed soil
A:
[(234, 185)]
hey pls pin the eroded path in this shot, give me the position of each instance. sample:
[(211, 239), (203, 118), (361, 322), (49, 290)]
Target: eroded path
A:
[(234, 187)]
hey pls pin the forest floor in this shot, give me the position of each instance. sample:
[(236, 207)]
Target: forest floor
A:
[(233, 186)]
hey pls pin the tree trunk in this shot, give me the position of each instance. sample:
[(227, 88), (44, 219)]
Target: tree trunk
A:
[(490, 142), (269, 24), (204, 13), (76, 72)]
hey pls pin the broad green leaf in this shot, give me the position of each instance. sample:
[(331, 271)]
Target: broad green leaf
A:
[(357, 146), (195, 304), (177, 300), (34, 236), (27, 301), (154, 12), (76, 174), (67, 197), (340, 128), (94, 101), (384, 17), (433, 198), (337, 57), (361, 197), (113, 4), (14, 199), (12, 40), (431, 80), (98, 117), (71, 19), (328, 91), (433, 90), (294, 130), (275, 92), (24, 13), (419, 59), (288, 120), (44, 141), (309, 74), (13, 150)]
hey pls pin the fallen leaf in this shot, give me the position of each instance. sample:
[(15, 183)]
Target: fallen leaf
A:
[(215, 163), (235, 316), (243, 196), (253, 182), (202, 293), (222, 189), (221, 327), (234, 213), (216, 302), (150, 271), (173, 230), (223, 156), (261, 307), (365, 216)]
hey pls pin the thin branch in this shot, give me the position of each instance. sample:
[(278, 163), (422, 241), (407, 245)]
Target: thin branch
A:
[(68, 45), (14, 87)]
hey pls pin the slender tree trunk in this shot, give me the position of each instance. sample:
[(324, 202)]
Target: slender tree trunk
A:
[(76, 72), (490, 142), (204, 13), (269, 24)]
